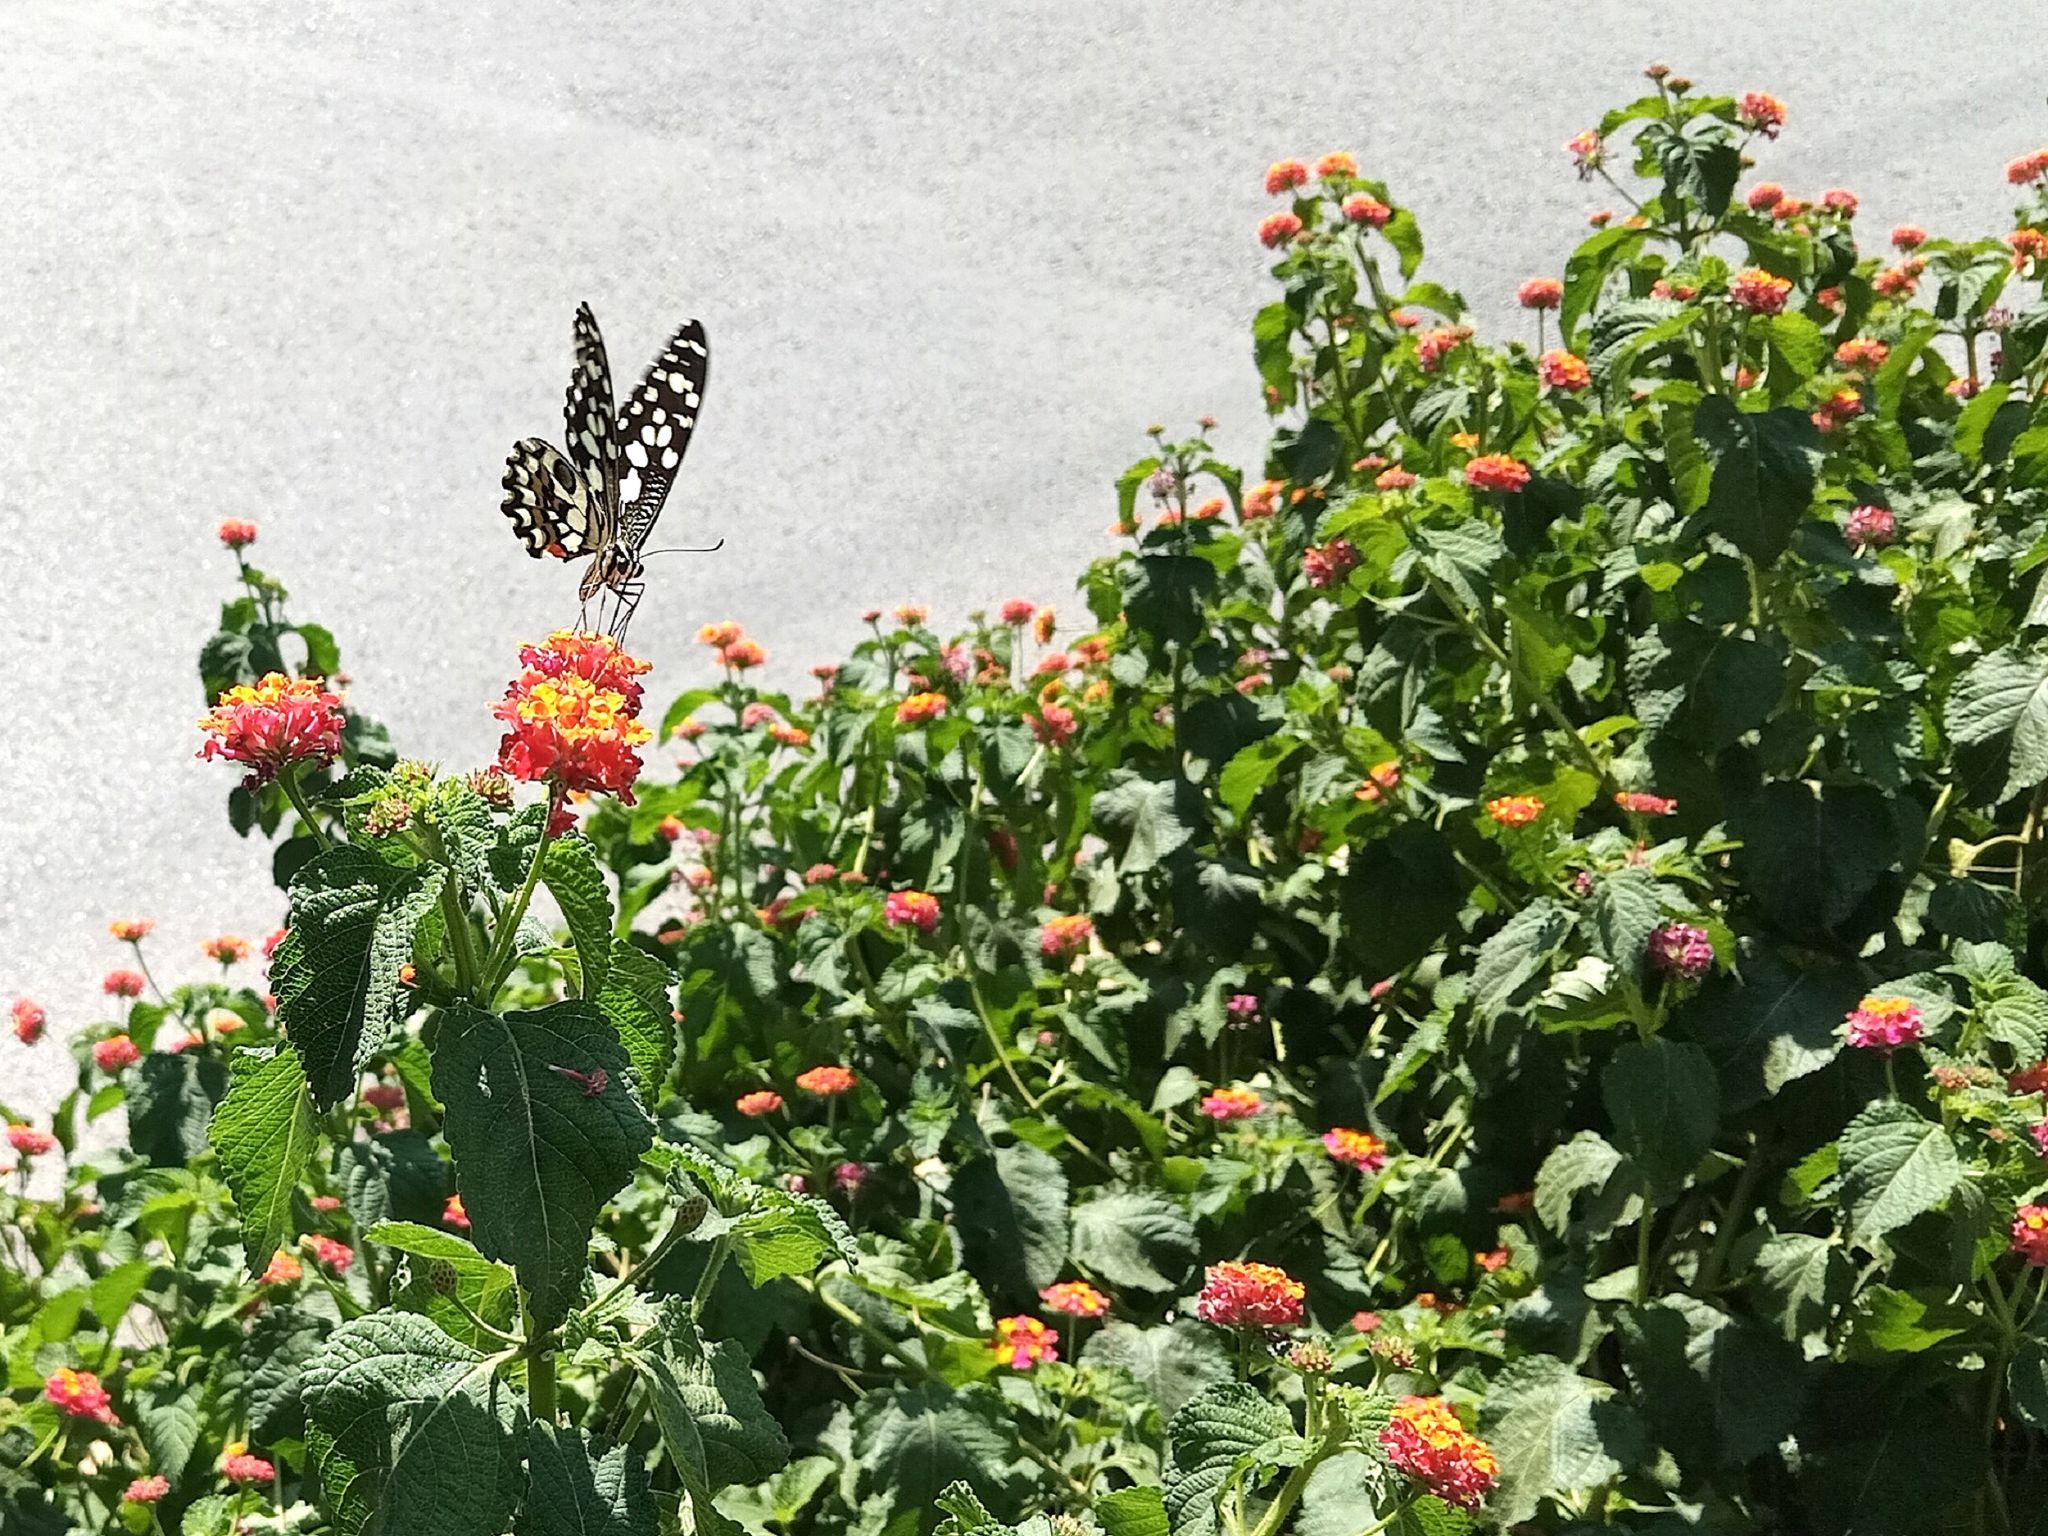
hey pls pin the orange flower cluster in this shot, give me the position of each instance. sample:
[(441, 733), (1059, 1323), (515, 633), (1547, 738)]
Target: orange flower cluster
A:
[(1563, 370), (1240, 1295), (1758, 291), (228, 948), (1355, 1149), (1515, 810), (1074, 1298), (920, 707), (80, 1395), (131, 930), (1065, 936), (283, 1269), (1232, 1104), (1022, 1342), (1425, 1439), (912, 909), (826, 1082), (1540, 293), (1496, 472), (574, 715), (272, 724), (762, 1101)]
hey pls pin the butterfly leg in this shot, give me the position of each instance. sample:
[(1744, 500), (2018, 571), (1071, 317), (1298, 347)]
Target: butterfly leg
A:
[(628, 604)]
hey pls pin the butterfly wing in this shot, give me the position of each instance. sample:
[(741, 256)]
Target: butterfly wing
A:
[(654, 429), (551, 504), (590, 429)]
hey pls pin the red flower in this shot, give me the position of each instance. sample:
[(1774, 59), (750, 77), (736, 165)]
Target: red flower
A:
[(1065, 936), (123, 983), (1563, 370), (147, 1490), (114, 1053), (1839, 200), (2030, 1234), (920, 707), (1074, 1298), (1540, 293), (1240, 1295), (1369, 211), (1760, 292), (826, 1082), (1338, 164), (273, 724), (1018, 610), (1356, 1149), (1491, 1260), (573, 713), (1055, 725), (1394, 479), (1765, 196), (1232, 1104), (1276, 229), (454, 1215), (2032, 1079), (1515, 810), (1908, 237), (1899, 282), (283, 1269), (1284, 176), (762, 1101), (80, 1395), (2028, 168), (1022, 1342), (1330, 563), (227, 948), (1841, 406), (337, 1256), (913, 909), (325, 1203), (237, 533), (1496, 472), (241, 1467), (276, 938), (742, 654), (29, 1141), (1642, 804), (384, 1096), (1761, 113), (131, 930), (29, 1021), (1424, 1438)]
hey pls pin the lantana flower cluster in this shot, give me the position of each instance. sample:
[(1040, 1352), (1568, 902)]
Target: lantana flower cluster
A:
[(573, 714), (1424, 1438), (272, 724), (1247, 1295)]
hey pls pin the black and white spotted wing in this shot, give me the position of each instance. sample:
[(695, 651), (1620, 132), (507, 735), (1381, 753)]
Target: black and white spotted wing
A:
[(654, 430), (589, 426), (550, 503)]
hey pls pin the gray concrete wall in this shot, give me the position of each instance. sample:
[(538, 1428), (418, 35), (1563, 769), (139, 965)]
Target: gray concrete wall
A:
[(314, 265)]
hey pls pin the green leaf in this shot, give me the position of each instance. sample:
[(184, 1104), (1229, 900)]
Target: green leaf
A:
[(1151, 812), (1773, 1026), (281, 1344), (262, 1134), (635, 997), (392, 1176), (1011, 1210), (1163, 595), (1623, 913), (2027, 1381), (170, 1103), (580, 1486), (1798, 1281), (1252, 769), (409, 1430), (1554, 1432), (1514, 954), (482, 1286), (1173, 1362), (537, 1152), (1205, 1441), (1133, 1512), (914, 1442), (1885, 1321), (784, 1233), (339, 1000), (569, 871), (171, 1416), (1763, 467), (1796, 349), (1586, 1162), (1895, 1165), (1136, 1241), (2005, 693), (1974, 420), (1662, 1098)]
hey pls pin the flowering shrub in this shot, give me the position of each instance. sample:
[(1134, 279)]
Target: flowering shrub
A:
[(1486, 977)]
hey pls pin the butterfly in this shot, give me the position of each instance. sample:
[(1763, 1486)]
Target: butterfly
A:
[(601, 498)]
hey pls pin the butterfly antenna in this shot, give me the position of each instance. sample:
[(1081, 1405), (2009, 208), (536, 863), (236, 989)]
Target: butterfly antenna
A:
[(685, 549)]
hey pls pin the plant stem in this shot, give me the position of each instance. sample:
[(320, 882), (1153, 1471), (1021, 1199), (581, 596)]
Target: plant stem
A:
[(288, 781), (1731, 1220), (505, 942), (708, 1281), (455, 916)]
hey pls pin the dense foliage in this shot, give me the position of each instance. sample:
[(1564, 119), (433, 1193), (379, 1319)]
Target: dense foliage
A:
[(1494, 980)]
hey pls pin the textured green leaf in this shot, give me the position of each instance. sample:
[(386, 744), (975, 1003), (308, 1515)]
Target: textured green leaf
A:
[(1252, 769), (537, 1153), (1586, 1162), (784, 1233), (580, 1486), (1894, 1166), (1622, 913), (572, 877), (2005, 694), (1173, 1362), (1133, 1512), (710, 1412), (1763, 466), (263, 1134), (1514, 954), (2027, 1381), (1554, 1432), (1885, 1321), (636, 999), (1151, 812), (392, 1176), (1774, 1025), (282, 1343), (171, 1417), (1011, 1210), (914, 1442), (1136, 1241), (1204, 1443), (410, 1431), (482, 1286), (1662, 1098), (1798, 1281), (335, 974), (170, 1104)]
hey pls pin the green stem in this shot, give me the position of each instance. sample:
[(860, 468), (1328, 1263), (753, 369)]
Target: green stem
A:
[(455, 917), (1643, 1260), (505, 942), (294, 792), (708, 1281), (1731, 1220)]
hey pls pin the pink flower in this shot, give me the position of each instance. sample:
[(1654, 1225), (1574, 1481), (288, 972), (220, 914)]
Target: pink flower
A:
[(29, 1141), (1285, 176), (1765, 196), (79, 1395), (1355, 1149), (1839, 200), (1908, 237), (1065, 936), (1232, 1104), (272, 724), (2030, 1235), (1337, 165), (1587, 150), (912, 909), (1540, 293), (1641, 803), (2028, 168), (1884, 1024), (849, 1176), (147, 1490), (1870, 527), (1393, 479), (1276, 229), (241, 1467), (123, 984), (237, 533), (1424, 1438), (114, 1053), (1330, 563), (1369, 211), (1242, 1295), (1760, 292), (29, 1021), (1018, 610), (1022, 1342), (762, 1101), (337, 1256), (1563, 370), (1761, 113), (1074, 1298), (1681, 950)]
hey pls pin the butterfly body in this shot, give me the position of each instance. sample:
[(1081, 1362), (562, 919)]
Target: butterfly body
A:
[(602, 496)]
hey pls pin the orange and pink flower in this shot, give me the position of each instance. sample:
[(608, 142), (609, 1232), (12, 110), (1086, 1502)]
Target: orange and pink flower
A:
[(1232, 1104), (1424, 1438), (1276, 229), (1540, 293), (1246, 1295), (147, 1490), (1496, 472), (1515, 810), (2030, 1235), (1065, 936), (79, 1395), (1761, 113), (573, 714), (237, 533), (1760, 292), (1022, 1342), (1884, 1023), (29, 1141), (114, 1053), (283, 1269), (1285, 176), (1355, 1149), (1563, 370), (912, 909), (1641, 803), (826, 1082), (762, 1101), (1074, 1298), (29, 1020), (273, 724)]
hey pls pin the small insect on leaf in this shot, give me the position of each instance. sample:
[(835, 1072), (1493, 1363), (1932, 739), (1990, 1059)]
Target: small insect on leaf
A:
[(594, 1082)]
